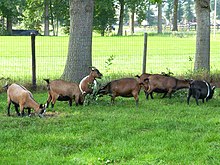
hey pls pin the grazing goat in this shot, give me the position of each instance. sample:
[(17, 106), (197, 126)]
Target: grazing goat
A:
[(163, 84), (125, 87), (200, 90), (141, 79), (87, 83), (63, 91), (20, 96)]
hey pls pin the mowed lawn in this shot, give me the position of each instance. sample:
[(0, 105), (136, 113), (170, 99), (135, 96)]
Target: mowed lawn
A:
[(159, 131), (165, 53)]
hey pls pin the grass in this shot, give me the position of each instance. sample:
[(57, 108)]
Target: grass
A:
[(159, 131), (174, 52)]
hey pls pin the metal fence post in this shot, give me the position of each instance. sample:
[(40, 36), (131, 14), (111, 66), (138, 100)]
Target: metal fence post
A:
[(34, 85), (144, 54)]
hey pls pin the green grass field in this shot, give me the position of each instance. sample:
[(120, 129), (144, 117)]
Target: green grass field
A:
[(159, 131), (173, 52)]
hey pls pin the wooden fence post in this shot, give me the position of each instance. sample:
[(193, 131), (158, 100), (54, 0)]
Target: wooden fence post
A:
[(34, 85), (144, 54)]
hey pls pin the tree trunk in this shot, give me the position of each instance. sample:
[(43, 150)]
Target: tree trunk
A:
[(121, 17), (3, 23), (202, 56), (132, 22), (46, 18), (79, 56), (52, 18), (175, 11), (9, 24), (159, 21)]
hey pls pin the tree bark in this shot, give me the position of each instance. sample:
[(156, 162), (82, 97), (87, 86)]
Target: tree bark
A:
[(159, 18), (79, 56), (175, 11), (132, 22), (52, 18), (9, 24), (46, 18), (202, 56), (121, 17)]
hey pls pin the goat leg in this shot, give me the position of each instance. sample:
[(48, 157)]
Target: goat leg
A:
[(9, 104), (189, 95), (112, 99), (22, 110), (17, 111), (197, 101), (70, 102), (48, 100), (164, 95), (29, 112)]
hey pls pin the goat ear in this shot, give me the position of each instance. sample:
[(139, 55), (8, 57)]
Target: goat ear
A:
[(137, 76), (213, 88)]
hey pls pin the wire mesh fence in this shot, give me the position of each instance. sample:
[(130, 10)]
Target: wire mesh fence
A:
[(111, 55)]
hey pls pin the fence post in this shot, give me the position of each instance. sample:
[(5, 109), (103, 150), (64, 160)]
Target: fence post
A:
[(34, 85), (144, 54)]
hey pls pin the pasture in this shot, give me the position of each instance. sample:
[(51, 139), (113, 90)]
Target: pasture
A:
[(159, 131), (169, 52)]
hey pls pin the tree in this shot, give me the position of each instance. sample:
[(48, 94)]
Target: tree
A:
[(33, 14), (159, 18), (79, 56), (168, 10), (138, 7), (180, 11), (121, 17), (11, 10), (150, 16), (175, 12), (188, 8), (104, 16), (217, 6), (46, 18), (59, 15), (202, 56)]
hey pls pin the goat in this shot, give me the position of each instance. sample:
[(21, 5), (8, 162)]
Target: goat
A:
[(200, 90), (125, 87), (21, 97), (63, 91), (142, 78), (89, 81), (164, 84)]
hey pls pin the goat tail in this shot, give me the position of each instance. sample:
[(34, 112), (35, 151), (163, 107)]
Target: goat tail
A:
[(47, 80)]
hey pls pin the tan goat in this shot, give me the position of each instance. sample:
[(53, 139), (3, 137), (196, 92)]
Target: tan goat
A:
[(63, 91), (21, 97)]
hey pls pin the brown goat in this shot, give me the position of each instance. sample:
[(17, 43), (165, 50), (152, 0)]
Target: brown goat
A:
[(142, 78), (63, 91), (20, 96), (125, 87), (164, 84), (89, 81)]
